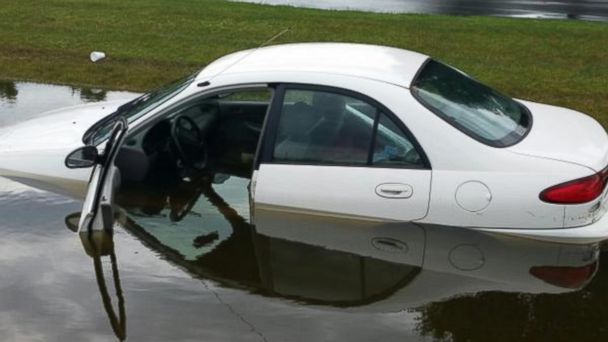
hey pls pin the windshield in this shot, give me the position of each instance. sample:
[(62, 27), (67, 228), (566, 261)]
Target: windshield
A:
[(135, 109), (474, 108)]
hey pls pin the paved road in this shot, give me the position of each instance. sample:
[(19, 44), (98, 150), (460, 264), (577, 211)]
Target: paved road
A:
[(573, 9)]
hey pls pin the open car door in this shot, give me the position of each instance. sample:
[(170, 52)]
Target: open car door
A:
[(98, 208)]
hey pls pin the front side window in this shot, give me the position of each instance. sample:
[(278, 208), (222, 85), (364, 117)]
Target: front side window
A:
[(474, 108), (322, 127), (325, 128)]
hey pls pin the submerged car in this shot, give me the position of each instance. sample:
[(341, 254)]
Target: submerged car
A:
[(336, 130)]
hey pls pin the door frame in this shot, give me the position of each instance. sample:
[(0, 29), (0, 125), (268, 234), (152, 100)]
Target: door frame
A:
[(104, 171)]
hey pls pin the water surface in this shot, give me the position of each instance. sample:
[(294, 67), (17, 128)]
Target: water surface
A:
[(20, 101)]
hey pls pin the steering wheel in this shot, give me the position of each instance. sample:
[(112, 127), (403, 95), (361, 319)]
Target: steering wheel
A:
[(189, 142)]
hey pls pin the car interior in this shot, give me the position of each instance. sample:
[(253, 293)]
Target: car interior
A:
[(218, 133), (200, 143)]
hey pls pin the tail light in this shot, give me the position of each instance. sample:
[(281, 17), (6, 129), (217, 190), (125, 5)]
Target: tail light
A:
[(578, 191), (567, 277)]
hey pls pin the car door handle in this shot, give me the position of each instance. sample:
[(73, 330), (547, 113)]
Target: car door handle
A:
[(394, 190)]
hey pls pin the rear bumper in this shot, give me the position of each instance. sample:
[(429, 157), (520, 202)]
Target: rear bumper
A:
[(591, 233)]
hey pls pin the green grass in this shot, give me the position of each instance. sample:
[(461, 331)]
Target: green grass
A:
[(150, 42)]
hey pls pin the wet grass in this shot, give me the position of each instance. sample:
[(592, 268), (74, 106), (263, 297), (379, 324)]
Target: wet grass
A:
[(150, 42)]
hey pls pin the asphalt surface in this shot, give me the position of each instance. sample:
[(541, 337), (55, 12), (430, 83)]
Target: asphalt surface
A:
[(582, 9)]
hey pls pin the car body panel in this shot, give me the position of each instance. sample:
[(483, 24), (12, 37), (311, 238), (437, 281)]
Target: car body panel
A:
[(33, 152), (510, 197), (341, 191), (381, 63), (593, 232), (54, 129), (564, 134)]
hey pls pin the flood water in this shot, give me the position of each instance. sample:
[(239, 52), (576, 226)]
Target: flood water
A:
[(564, 9), (188, 263)]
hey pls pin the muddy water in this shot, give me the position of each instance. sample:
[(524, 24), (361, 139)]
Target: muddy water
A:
[(21, 101), (189, 264)]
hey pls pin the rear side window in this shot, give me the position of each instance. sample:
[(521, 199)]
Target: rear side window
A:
[(392, 147), (476, 109), (320, 127)]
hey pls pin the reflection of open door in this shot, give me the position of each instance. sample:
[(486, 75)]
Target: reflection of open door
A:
[(97, 211), (97, 245)]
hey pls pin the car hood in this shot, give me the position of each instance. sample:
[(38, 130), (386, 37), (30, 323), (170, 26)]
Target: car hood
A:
[(58, 128), (563, 134), (32, 152)]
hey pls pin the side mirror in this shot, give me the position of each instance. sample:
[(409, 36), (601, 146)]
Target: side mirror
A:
[(82, 157), (71, 222)]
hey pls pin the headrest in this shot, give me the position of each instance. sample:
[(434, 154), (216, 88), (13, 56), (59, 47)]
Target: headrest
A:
[(331, 106), (298, 119)]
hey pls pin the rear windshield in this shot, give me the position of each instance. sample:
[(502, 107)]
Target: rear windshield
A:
[(475, 109)]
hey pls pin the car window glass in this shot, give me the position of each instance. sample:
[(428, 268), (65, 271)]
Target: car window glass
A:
[(255, 95), (321, 127), (246, 106), (392, 147), (474, 108), (230, 124), (136, 108)]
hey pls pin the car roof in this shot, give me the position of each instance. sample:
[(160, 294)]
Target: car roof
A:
[(382, 63)]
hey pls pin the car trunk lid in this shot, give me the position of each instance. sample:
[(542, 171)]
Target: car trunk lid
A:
[(566, 135)]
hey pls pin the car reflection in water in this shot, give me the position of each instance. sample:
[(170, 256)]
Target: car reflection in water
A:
[(91, 94), (204, 226), (98, 245)]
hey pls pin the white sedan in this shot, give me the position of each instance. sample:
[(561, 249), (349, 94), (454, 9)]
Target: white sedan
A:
[(336, 130)]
